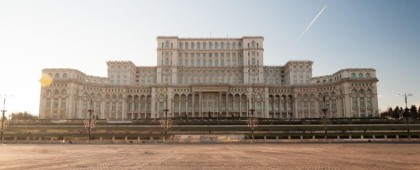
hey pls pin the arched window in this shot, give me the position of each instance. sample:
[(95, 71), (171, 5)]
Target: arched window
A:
[(360, 75), (253, 44), (57, 75), (353, 75), (367, 75), (167, 44), (65, 75)]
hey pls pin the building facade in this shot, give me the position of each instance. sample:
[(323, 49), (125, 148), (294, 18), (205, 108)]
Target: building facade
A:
[(204, 77)]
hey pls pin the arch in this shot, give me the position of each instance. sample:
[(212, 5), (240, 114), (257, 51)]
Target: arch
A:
[(48, 92), (56, 92), (63, 92), (360, 75), (65, 75), (367, 75), (57, 76)]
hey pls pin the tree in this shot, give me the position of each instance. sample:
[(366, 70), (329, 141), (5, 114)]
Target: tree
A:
[(387, 114), (396, 114), (23, 116), (413, 112)]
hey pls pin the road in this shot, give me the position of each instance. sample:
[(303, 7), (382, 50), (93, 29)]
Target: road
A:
[(210, 156)]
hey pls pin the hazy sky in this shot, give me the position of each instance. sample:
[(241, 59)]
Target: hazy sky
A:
[(84, 34)]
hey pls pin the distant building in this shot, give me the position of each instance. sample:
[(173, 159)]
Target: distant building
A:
[(201, 77)]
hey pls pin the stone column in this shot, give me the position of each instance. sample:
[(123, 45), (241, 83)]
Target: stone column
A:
[(123, 109), (200, 104), (186, 105), (240, 104), (193, 103), (286, 106), (132, 107), (226, 104), (153, 105)]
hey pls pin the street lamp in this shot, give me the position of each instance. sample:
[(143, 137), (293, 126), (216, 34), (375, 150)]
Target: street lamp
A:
[(166, 123), (91, 122), (4, 121), (252, 121), (407, 114), (324, 116)]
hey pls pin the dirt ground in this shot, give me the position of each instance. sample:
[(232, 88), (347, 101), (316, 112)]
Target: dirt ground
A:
[(210, 156)]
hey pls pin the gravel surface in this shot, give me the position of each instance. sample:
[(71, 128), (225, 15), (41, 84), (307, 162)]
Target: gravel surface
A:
[(210, 156)]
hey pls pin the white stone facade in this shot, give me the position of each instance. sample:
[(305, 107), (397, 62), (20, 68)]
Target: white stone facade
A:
[(201, 77)]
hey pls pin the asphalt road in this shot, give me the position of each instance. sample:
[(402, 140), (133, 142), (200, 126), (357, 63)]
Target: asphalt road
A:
[(210, 156)]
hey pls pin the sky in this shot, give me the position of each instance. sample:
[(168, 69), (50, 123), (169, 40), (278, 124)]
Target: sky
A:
[(85, 34)]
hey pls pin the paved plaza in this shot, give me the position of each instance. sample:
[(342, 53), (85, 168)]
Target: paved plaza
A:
[(210, 156)]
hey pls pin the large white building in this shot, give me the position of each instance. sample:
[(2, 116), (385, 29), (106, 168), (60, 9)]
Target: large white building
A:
[(201, 77)]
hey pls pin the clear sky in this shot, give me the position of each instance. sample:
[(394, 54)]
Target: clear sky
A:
[(84, 34)]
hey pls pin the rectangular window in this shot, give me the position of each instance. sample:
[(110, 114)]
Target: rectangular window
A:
[(362, 101), (369, 102)]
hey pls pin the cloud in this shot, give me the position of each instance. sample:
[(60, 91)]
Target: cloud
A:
[(309, 26)]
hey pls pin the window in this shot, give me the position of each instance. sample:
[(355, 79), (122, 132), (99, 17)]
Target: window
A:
[(253, 44), (204, 45), (360, 75), (180, 45), (65, 75), (57, 75), (198, 45), (222, 44), (210, 45), (362, 101), (167, 44), (186, 45), (369, 102), (353, 75), (367, 75), (192, 45)]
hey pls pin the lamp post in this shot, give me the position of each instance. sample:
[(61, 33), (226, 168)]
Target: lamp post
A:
[(324, 116), (252, 122), (4, 121), (166, 123), (406, 114), (90, 123)]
